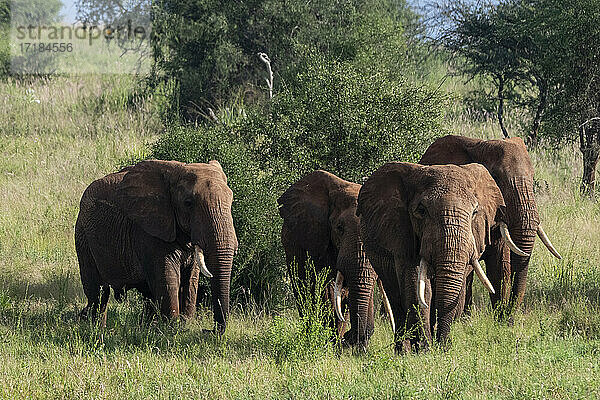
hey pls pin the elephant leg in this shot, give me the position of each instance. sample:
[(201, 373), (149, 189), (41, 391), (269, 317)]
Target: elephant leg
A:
[(166, 288), (90, 278), (468, 294), (498, 270), (296, 262), (417, 319), (383, 264), (189, 289)]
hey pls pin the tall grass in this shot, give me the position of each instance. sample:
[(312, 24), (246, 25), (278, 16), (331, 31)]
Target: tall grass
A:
[(82, 128)]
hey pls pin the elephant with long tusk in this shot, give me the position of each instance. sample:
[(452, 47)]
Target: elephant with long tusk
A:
[(320, 222), (424, 229), (507, 256)]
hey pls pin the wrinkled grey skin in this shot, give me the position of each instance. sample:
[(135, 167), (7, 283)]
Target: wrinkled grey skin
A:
[(509, 164), (319, 221), (444, 215), (139, 227)]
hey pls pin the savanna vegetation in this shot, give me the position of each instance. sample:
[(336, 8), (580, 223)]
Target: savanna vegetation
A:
[(354, 85)]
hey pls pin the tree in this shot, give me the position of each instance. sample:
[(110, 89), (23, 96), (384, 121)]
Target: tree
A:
[(543, 56), (492, 41), (211, 47), (573, 60)]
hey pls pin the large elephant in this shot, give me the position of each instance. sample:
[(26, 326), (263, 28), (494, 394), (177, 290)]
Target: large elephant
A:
[(320, 222), (424, 229), (508, 162), (151, 226)]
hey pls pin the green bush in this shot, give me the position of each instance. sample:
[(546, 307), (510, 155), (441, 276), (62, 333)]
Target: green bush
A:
[(4, 37), (210, 47), (337, 118)]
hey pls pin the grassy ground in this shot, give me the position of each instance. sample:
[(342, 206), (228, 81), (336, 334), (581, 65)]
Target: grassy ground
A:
[(57, 136)]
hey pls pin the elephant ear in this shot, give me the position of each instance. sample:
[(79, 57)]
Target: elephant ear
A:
[(144, 197), (452, 149), (304, 208), (383, 208), (491, 203), (218, 167)]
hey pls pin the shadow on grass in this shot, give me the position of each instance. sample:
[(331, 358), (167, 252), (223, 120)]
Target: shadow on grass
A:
[(561, 282), (62, 286), (49, 323)]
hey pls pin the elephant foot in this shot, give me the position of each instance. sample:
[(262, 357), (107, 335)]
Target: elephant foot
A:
[(120, 294), (403, 347), (504, 314), (351, 339), (84, 314), (188, 315), (218, 330)]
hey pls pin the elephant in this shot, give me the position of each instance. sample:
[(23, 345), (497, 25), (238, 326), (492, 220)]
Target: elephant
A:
[(320, 222), (508, 162), (424, 229), (155, 226)]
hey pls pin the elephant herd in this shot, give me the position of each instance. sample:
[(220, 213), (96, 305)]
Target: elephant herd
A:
[(418, 231)]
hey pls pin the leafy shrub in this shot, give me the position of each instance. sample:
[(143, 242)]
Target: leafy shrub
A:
[(292, 340), (4, 37), (337, 118), (210, 47), (27, 13)]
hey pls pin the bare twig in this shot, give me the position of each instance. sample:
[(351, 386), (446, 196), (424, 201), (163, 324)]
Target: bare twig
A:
[(588, 121), (265, 58)]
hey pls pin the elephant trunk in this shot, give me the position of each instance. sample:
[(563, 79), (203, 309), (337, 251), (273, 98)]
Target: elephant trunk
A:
[(361, 308), (449, 282), (453, 253), (218, 242), (360, 280), (523, 222), (524, 239), (220, 261)]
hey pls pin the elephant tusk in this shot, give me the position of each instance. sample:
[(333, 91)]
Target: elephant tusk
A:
[(337, 296), (482, 276), (547, 243), (200, 261), (506, 236), (422, 274), (479, 270), (386, 305)]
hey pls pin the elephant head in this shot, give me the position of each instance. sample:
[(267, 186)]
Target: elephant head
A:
[(508, 162), (424, 229), (319, 220), (190, 203)]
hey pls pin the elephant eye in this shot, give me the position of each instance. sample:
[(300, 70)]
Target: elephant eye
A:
[(475, 211), (188, 202), (340, 228), (420, 211)]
